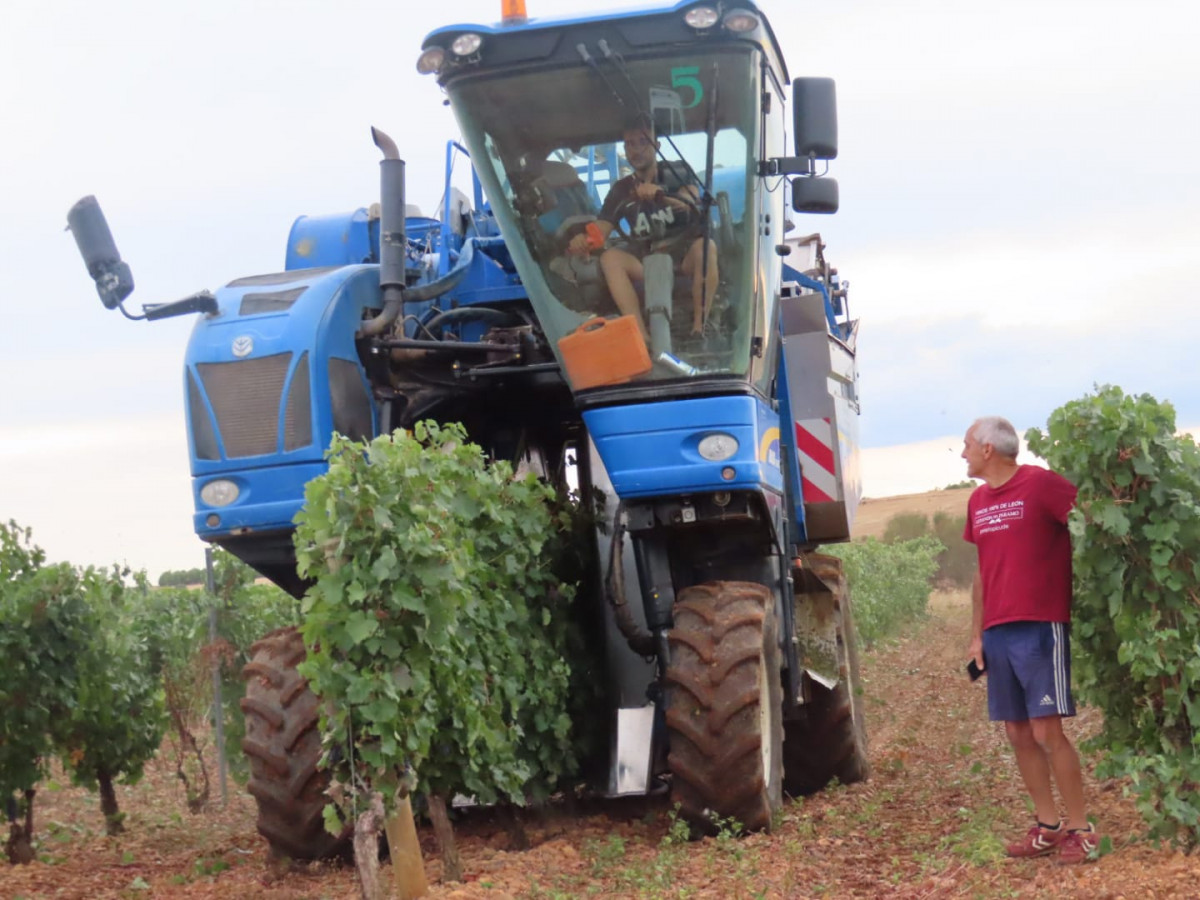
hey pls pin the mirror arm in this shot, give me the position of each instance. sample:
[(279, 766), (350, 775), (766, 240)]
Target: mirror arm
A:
[(787, 165), (201, 302)]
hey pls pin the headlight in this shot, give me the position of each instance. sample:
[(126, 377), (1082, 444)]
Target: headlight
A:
[(430, 62), (221, 492), (701, 17), (466, 44), (740, 21), (716, 447)]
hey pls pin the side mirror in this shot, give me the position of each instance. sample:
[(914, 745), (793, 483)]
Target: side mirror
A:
[(815, 195), (114, 280), (814, 117)]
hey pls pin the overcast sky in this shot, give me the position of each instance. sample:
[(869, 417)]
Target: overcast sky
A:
[(1019, 180)]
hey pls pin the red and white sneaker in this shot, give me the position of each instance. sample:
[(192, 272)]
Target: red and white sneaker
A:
[(1078, 846), (1038, 841)]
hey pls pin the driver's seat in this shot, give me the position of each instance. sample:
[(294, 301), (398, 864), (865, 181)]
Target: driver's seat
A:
[(570, 197)]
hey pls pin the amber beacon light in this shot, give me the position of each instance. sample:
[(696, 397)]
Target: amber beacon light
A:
[(512, 12)]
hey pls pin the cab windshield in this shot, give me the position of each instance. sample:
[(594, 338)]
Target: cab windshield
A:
[(623, 194)]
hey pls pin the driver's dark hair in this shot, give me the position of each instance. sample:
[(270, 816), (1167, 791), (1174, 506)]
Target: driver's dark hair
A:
[(640, 122)]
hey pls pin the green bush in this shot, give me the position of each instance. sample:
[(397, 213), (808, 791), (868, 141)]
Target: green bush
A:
[(174, 623), (905, 527), (437, 631), (43, 633), (889, 583), (116, 723), (955, 561), (1136, 613)]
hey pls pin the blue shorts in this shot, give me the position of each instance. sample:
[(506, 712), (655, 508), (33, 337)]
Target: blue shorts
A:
[(1028, 670)]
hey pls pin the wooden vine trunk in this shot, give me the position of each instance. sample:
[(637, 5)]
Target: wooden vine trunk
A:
[(451, 863)]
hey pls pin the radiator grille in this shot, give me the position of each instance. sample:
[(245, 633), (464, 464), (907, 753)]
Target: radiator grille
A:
[(351, 405), (204, 439), (245, 395), (297, 419)]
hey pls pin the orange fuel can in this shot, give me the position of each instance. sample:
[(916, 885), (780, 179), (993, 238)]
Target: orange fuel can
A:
[(604, 351)]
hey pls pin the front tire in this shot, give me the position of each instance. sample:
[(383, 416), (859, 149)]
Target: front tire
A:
[(283, 745), (724, 706)]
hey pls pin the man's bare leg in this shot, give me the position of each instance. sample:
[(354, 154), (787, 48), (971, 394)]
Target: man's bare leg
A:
[(620, 269), (1064, 763), (704, 284), (1034, 766)]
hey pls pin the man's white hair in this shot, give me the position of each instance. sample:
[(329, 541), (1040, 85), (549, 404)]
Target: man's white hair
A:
[(998, 432)]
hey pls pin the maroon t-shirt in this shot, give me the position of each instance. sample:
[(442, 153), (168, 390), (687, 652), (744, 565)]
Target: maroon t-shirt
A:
[(1020, 531)]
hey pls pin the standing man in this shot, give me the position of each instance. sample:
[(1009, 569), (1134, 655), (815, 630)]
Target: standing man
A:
[(1020, 632)]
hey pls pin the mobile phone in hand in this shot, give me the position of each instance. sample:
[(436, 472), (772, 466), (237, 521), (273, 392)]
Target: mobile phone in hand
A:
[(975, 671)]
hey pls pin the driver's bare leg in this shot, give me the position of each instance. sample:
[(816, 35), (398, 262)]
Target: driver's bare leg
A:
[(704, 284), (621, 268)]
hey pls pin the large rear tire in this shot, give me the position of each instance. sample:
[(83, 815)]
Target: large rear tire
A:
[(724, 706), (283, 745), (829, 738)]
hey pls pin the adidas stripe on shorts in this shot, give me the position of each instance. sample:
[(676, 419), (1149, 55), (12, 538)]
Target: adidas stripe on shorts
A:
[(1028, 670)]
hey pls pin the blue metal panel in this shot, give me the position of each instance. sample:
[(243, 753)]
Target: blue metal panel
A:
[(339, 239), (269, 499), (351, 238), (321, 322), (651, 450)]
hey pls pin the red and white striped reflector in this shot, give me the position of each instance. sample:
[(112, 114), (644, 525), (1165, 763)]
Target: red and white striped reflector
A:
[(814, 446)]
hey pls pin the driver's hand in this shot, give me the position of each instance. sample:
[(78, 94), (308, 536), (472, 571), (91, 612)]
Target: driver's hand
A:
[(647, 191)]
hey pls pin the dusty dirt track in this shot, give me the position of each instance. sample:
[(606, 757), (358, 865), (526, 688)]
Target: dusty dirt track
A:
[(929, 824)]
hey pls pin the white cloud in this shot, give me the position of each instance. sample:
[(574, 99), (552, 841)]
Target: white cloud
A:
[(932, 464), (922, 465), (103, 493), (1089, 276)]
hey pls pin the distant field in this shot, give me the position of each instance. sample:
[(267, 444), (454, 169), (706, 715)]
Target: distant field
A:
[(874, 513)]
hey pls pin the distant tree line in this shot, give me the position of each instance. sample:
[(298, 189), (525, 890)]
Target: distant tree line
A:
[(181, 577)]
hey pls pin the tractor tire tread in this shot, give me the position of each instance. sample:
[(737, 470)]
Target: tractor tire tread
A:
[(720, 642), (283, 745)]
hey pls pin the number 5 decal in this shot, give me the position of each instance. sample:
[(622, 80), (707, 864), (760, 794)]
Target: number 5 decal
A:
[(685, 76)]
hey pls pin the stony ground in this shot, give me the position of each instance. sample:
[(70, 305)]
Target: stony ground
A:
[(929, 824)]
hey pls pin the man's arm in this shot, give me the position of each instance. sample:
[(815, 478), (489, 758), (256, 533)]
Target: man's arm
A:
[(579, 243), (975, 648)]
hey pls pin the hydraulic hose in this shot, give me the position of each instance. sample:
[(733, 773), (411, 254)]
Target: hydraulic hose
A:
[(641, 642), (393, 305)]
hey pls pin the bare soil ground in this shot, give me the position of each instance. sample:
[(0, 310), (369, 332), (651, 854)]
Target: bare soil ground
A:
[(929, 824)]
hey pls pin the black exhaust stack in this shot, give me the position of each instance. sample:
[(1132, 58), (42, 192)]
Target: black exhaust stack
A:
[(393, 240)]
